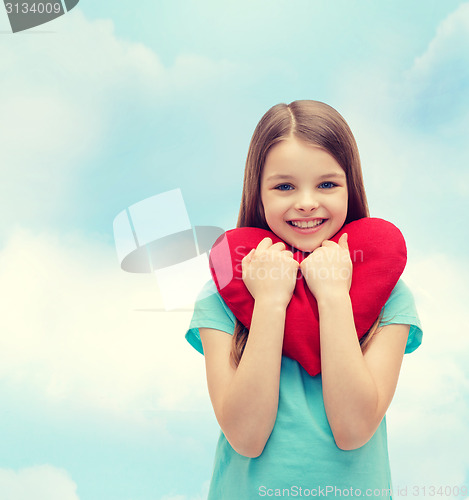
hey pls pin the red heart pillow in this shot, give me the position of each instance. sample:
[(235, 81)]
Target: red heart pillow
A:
[(378, 253)]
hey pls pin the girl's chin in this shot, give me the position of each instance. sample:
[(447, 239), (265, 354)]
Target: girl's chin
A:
[(307, 242)]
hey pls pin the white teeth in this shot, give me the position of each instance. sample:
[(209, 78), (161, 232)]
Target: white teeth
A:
[(312, 223)]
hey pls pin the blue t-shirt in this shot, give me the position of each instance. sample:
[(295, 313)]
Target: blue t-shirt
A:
[(301, 457)]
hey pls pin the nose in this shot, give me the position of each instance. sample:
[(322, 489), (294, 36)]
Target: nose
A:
[(306, 202)]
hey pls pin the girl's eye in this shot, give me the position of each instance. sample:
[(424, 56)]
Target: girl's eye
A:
[(284, 187), (327, 185)]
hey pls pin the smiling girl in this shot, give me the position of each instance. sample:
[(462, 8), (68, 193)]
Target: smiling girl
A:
[(283, 430)]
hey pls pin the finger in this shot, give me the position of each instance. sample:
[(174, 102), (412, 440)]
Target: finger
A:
[(288, 252), (288, 255), (328, 243), (278, 246), (343, 241), (297, 263), (248, 256), (264, 244)]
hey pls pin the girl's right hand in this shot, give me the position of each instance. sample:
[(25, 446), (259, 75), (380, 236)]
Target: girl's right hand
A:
[(270, 272)]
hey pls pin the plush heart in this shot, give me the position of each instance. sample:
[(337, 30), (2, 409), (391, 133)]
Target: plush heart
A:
[(378, 252)]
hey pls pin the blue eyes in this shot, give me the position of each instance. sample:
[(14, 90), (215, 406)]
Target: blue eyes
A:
[(323, 185), (281, 187), (327, 185)]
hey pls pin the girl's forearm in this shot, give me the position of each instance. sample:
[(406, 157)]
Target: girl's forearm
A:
[(251, 401), (350, 393)]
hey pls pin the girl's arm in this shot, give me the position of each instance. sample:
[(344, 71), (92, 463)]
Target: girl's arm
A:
[(245, 398), (357, 387)]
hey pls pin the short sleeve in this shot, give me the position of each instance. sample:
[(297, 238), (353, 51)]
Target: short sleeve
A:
[(400, 309), (210, 311)]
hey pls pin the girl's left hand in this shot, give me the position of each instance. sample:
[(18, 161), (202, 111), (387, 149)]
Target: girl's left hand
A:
[(328, 270)]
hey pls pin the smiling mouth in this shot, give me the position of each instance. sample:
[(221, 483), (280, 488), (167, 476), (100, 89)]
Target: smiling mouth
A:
[(306, 225)]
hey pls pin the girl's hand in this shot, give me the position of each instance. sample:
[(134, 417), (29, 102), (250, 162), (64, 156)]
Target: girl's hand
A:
[(328, 270), (270, 272)]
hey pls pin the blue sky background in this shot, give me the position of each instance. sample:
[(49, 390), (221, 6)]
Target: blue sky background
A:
[(115, 102)]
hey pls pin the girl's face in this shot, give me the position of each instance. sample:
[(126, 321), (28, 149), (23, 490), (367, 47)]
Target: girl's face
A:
[(304, 194)]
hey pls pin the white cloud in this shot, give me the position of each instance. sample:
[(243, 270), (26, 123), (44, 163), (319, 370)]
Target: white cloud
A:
[(76, 328), (448, 47), (42, 482), (427, 421), (65, 94), (69, 320), (411, 129), (394, 114), (437, 85), (200, 496)]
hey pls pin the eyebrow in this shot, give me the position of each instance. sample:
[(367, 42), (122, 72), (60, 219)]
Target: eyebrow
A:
[(335, 175)]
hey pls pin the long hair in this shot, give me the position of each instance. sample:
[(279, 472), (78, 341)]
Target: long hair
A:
[(317, 124)]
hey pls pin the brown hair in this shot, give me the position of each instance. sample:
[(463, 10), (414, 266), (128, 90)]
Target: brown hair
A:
[(317, 124)]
